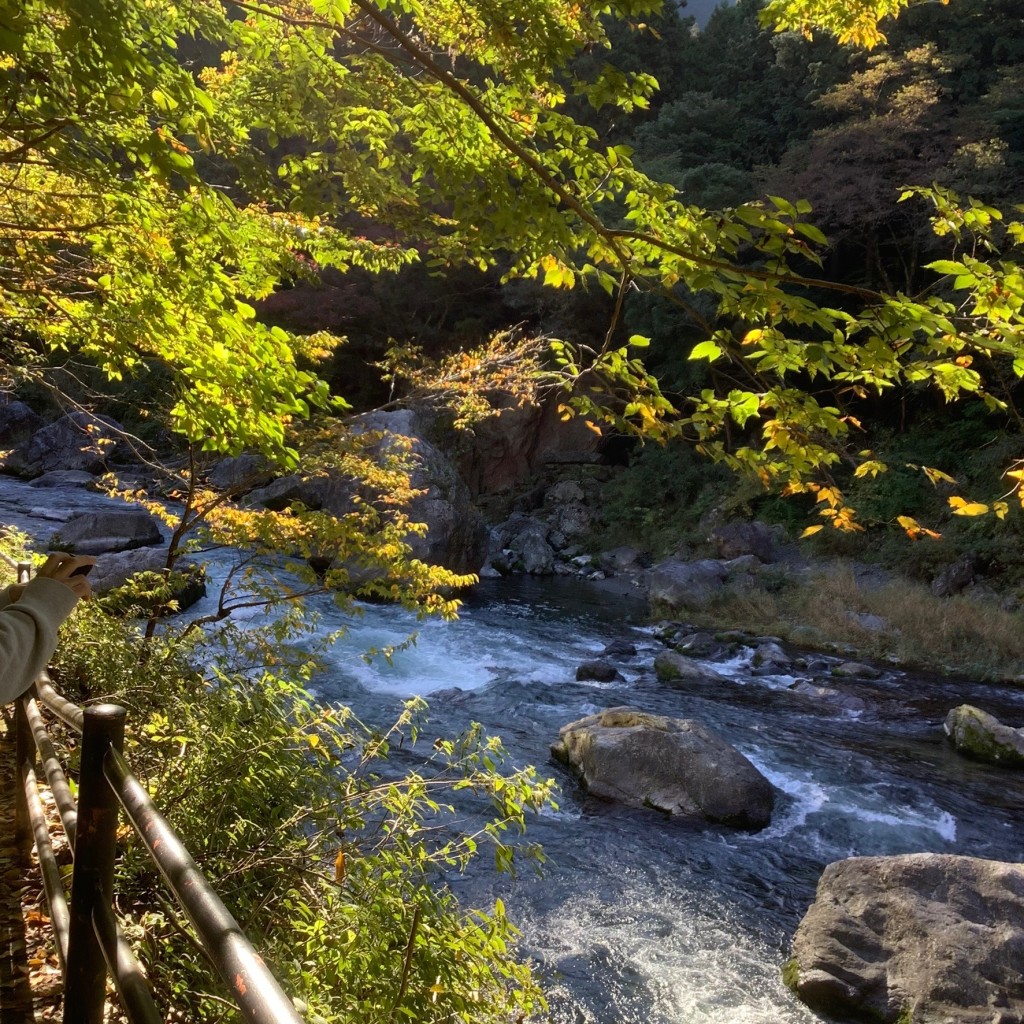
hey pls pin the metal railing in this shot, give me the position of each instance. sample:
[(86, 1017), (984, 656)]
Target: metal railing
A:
[(89, 941)]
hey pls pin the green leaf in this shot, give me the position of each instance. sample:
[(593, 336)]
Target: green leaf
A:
[(708, 350)]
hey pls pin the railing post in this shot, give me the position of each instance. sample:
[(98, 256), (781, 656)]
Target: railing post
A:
[(95, 846), (24, 750), (25, 746)]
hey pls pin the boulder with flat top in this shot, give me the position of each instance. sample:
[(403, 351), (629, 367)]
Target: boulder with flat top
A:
[(674, 765)]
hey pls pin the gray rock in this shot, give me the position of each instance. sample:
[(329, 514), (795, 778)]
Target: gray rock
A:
[(732, 540), (686, 585), (240, 473), (599, 671), (674, 765), (96, 533), (280, 493), (574, 521), (772, 656), (696, 645), (80, 441), (955, 577), (64, 478), (868, 622), (565, 492), (979, 735), (18, 422), (672, 667), (620, 649), (521, 544), (828, 695), (926, 937), (112, 571), (854, 669), (742, 565), (624, 559)]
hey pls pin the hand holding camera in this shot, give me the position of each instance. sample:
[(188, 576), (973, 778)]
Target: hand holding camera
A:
[(71, 570)]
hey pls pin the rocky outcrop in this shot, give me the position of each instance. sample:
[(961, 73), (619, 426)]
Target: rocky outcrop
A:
[(506, 449), (96, 533), (678, 766), (456, 535), (79, 441), (981, 736), (680, 586), (928, 938)]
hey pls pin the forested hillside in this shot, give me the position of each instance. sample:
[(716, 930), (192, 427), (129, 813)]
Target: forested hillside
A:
[(771, 261)]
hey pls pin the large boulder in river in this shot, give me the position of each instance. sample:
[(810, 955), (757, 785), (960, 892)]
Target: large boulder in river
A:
[(929, 938), (81, 441), (674, 765), (980, 735), (96, 533)]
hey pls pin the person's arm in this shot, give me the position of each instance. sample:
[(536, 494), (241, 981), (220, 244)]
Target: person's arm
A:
[(28, 633)]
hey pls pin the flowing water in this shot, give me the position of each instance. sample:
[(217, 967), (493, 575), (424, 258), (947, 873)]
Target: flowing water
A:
[(639, 917)]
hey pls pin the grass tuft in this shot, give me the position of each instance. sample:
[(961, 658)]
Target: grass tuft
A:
[(973, 636)]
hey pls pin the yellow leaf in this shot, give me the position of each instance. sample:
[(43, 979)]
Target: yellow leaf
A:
[(968, 508), (811, 531), (935, 475)]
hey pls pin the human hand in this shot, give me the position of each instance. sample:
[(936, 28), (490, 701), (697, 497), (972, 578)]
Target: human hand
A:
[(67, 569)]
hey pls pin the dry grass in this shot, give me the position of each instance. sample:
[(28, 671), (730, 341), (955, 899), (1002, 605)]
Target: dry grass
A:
[(973, 636)]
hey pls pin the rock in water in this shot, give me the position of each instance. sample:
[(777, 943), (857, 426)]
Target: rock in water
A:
[(598, 670), (95, 533), (927, 937), (980, 735), (671, 667), (674, 765)]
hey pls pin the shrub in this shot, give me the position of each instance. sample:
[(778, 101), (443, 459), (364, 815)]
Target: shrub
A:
[(332, 861)]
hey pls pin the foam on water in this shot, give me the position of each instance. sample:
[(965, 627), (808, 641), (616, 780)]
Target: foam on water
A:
[(657, 952)]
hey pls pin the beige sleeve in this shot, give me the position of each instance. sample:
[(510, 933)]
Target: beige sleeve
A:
[(28, 633)]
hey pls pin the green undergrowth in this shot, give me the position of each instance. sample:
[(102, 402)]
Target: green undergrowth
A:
[(969, 636), (332, 860)]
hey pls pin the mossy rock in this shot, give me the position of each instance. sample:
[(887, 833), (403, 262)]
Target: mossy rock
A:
[(981, 736)]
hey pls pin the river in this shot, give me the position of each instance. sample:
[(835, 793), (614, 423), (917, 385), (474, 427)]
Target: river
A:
[(640, 918)]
